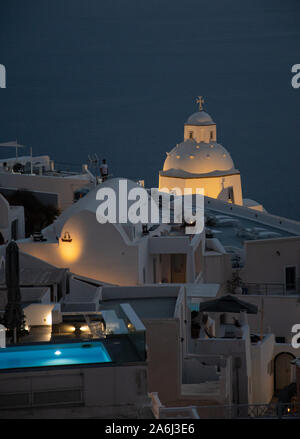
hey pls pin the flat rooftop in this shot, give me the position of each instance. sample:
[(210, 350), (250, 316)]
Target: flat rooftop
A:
[(147, 308), (36, 272), (37, 276), (241, 229), (149, 301), (236, 224)]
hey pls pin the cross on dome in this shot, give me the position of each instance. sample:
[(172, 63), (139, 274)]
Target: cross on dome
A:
[(200, 101)]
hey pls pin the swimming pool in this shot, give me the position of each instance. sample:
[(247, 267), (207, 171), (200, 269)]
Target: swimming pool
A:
[(53, 355)]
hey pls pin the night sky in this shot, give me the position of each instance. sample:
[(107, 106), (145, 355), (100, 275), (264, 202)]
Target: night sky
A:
[(120, 78)]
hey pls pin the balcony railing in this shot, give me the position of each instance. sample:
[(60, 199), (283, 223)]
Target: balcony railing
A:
[(268, 289), (275, 410), (161, 412)]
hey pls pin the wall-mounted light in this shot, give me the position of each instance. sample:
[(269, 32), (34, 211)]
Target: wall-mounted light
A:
[(84, 328), (131, 327), (66, 237)]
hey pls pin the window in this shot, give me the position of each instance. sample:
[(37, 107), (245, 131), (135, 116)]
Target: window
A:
[(14, 230), (211, 135), (144, 275), (230, 195), (198, 259), (191, 134), (290, 278), (154, 270)]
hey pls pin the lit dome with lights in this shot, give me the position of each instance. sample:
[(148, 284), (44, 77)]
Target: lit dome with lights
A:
[(198, 158)]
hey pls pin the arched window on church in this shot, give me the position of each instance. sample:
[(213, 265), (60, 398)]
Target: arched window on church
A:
[(211, 135), (191, 134)]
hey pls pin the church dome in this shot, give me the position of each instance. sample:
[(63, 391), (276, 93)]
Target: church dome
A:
[(200, 118), (198, 158)]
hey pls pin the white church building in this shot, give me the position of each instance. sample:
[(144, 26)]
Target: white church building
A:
[(201, 162)]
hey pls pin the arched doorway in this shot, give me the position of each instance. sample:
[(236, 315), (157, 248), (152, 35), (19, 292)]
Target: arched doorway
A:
[(282, 370)]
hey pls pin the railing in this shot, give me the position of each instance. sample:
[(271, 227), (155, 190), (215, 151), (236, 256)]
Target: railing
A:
[(274, 410), (74, 168), (161, 412), (42, 391), (42, 398), (266, 289)]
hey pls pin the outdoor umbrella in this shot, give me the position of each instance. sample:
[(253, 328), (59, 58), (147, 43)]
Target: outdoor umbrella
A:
[(13, 144), (13, 317), (228, 303)]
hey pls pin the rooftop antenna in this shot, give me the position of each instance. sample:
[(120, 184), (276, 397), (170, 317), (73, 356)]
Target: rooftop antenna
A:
[(31, 168), (94, 162)]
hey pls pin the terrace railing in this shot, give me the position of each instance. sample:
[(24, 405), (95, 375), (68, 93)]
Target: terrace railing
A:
[(275, 410), (161, 412), (267, 289)]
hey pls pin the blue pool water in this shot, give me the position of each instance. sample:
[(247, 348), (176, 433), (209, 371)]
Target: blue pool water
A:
[(194, 306), (53, 355)]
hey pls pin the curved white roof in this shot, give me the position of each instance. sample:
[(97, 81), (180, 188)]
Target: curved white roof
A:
[(198, 158), (200, 118), (90, 203)]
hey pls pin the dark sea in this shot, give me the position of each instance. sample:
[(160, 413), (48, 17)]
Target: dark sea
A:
[(119, 78)]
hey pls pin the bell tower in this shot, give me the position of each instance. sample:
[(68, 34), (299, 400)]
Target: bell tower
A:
[(200, 125)]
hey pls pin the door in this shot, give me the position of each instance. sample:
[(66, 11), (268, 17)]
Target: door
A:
[(290, 278), (283, 370), (178, 268)]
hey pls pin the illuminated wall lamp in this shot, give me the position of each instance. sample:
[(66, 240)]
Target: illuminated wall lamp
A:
[(84, 328), (66, 237)]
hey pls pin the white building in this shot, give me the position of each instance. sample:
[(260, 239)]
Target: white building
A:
[(12, 223), (243, 250), (201, 162), (38, 175), (118, 253)]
